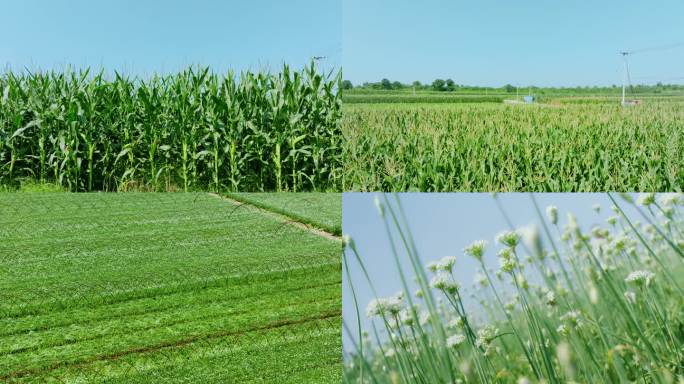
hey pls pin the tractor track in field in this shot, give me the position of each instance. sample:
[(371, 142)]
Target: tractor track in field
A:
[(153, 326), (167, 345), (281, 218)]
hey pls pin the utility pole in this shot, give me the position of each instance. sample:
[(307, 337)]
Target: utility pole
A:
[(625, 76)]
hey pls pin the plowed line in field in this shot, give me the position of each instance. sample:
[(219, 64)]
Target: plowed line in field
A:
[(153, 326), (282, 218), (167, 345)]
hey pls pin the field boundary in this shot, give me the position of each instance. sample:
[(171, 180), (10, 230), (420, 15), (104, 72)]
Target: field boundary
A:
[(289, 219)]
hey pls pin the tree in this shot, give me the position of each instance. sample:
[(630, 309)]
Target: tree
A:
[(450, 85), (346, 84), (438, 85), (509, 88), (417, 84), (385, 84), (397, 85)]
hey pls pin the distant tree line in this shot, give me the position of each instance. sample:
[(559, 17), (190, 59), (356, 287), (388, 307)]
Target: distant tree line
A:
[(437, 85), (449, 85)]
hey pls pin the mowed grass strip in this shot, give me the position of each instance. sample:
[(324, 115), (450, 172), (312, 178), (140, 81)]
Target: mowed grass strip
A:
[(95, 284), (320, 210)]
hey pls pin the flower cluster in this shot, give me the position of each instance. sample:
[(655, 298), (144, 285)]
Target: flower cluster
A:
[(381, 307), (508, 238), (444, 283), (640, 278), (574, 318), (445, 264), (485, 336), (571, 321), (507, 261), (455, 340), (476, 249)]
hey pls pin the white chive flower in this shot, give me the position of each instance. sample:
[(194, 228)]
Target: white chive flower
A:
[(476, 249), (508, 238), (640, 278), (455, 340)]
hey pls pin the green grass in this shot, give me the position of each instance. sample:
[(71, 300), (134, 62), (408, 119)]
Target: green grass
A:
[(563, 304), (141, 287), (321, 210), (562, 146), (191, 130)]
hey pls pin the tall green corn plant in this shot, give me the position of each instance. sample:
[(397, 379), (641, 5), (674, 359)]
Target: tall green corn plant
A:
[(196, 129)]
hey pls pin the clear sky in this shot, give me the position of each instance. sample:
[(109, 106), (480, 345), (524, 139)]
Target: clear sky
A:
[(442, 224), (525, 42), (141, 37)]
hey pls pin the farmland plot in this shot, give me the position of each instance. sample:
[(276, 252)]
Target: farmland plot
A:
[(142, 287), (560, 147)]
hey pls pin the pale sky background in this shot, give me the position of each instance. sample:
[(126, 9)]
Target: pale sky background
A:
[(141, 37), (525, 42), (442, 224)]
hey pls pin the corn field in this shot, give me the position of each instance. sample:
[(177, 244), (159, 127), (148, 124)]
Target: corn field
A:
[(495, 147), (193, 130), (564, 304)]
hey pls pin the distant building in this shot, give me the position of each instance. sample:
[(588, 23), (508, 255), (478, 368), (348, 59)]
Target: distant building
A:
[(528, 99)]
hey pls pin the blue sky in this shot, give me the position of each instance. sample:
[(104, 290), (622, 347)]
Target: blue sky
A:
[(494, 42), (141, 37), (442, 224)]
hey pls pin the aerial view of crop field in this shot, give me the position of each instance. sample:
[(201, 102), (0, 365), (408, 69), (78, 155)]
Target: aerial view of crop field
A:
[(169, 192), (487, 104), (545, 288), (160, 287)]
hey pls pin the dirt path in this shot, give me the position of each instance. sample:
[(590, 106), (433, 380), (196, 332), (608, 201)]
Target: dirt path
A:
[(282, 218)]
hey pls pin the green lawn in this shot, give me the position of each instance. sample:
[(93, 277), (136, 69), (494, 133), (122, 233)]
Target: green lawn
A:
[(321, 210), (147, 287)]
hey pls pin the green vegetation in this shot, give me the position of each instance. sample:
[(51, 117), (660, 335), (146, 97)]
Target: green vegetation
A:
[(425, 97), (566, 305), (450, 86), (194, 130), (320, 210), (161, 287), (562, 145)]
